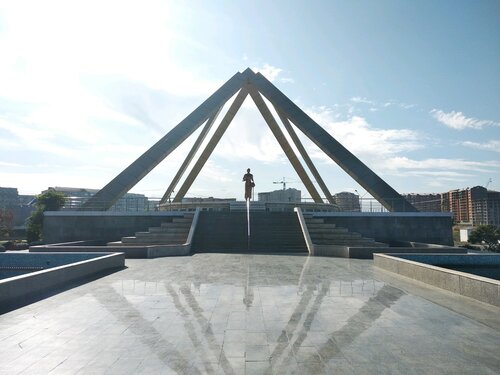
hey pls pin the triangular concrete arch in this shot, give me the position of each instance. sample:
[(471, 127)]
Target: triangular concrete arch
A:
[(248, 89), (255, 85)]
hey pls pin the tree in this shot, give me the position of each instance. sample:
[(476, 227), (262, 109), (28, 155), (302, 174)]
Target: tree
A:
[(48, 201), (6, 222), (487, 234)]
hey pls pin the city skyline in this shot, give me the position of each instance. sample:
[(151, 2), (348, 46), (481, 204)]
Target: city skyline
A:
[(405, 87)]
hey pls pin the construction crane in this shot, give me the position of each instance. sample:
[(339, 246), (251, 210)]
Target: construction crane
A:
[(283, 182), (488, 183)]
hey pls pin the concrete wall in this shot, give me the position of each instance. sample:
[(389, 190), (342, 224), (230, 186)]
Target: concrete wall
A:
[(480, 288), (138, 251), (426, 227), (68, 226), (368, 252), (24, 289)]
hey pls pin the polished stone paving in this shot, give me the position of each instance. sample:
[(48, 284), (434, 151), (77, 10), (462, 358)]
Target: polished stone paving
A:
[(251, 314)]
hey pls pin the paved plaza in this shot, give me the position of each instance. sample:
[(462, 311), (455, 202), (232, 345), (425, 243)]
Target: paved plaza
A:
[(251, 314)]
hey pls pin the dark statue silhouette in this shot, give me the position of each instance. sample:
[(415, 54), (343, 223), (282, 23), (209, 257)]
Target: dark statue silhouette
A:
[(249, 184)]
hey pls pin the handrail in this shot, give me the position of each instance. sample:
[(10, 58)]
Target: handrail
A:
[(305, 231), (193, 227)]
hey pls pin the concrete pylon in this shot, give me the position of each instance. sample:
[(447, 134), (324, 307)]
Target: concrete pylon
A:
[(363, 175), (238, 101), (305, 156), (131, 175), (278, 134), (190, 156), (256, 84)]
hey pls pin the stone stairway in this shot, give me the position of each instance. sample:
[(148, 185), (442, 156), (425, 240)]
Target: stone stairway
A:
[(171, 232), (322, 233), (270, 232)]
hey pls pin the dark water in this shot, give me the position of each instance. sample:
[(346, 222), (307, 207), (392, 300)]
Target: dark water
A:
[(492, 272)]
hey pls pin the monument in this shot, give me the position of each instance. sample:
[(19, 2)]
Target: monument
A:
[(220, 230), (257, 86)]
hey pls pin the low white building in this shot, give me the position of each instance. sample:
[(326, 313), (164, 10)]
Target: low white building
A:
[(282, 196)]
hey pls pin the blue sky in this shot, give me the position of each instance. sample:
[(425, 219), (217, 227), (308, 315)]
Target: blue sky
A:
[(411, 88)]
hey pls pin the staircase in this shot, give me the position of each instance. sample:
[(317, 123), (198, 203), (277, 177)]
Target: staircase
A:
[(173, 232), (270, 232), (322, 233)]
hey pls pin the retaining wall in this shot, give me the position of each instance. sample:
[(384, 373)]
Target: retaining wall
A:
[(477, 287), (23, 289), (388, 227), (426, 227)]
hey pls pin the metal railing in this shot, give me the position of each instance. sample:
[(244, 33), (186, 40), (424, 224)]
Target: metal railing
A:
[(359, 204), (482, 212), (153, 204), (122, 205)]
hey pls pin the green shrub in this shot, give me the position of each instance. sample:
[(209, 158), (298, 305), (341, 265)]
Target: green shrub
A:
[(488, 235), (48, 201)]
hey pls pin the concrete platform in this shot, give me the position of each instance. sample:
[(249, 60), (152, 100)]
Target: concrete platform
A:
[(50, 272), (251, 314)]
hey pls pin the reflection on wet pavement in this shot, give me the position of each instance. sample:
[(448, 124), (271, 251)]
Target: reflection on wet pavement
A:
[(237, 314)]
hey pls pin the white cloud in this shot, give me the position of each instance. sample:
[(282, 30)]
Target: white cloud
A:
[(215, 173), (52, 55), (268, 71), (358, 99), (249, 138), (457, 120), (492, 145), (442, 165), (7, 164), (50, 48), (384, 151), (376, 106), (364, 140)]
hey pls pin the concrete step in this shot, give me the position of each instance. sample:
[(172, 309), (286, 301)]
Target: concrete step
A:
[(172, 232), (137, 242), (168, 230), (335, 238), (323, 227), (314, 221), (327, 230), (347, 242), (186, 220), (176, 225), (380, 244), (329, 234), (275, 243), (160, 235), (118, 243), (127, 240), (271, 231)]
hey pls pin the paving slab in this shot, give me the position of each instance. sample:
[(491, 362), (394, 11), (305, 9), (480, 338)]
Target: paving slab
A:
[(251, 314)]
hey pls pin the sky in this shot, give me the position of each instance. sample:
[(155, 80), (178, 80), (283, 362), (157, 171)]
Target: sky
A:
[(412, 88)]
